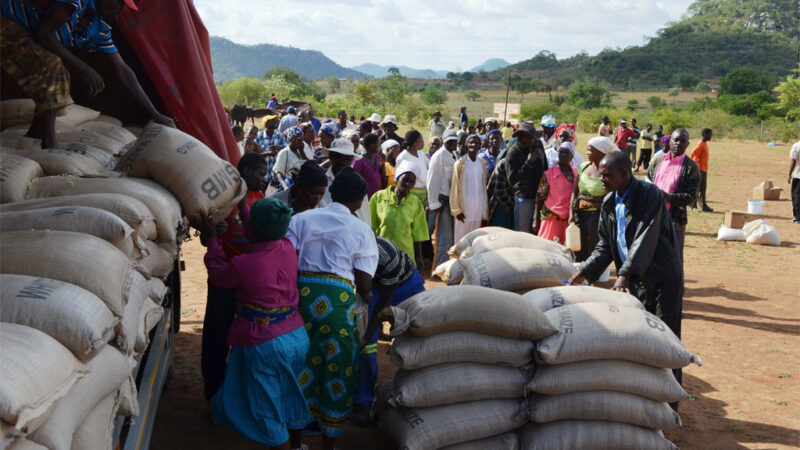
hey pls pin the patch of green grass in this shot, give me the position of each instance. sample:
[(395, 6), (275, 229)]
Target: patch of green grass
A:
[(764, 436), (186, 313), (781, 402), (785, 374)]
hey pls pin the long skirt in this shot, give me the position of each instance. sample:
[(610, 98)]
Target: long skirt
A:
[(554, 229), (261, 397), (327, 304), (587, 221)]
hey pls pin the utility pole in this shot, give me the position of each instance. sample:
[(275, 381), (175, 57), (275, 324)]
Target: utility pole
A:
[(508, 89)]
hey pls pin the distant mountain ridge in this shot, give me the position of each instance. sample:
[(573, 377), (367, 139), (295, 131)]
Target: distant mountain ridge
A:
[(491, 64), (231, 60), (378, 71)]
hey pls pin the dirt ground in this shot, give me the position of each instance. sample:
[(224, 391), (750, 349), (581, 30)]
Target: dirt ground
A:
[(740, 315)]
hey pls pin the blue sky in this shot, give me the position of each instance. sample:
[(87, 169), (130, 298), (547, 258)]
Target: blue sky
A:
[(438, 34)]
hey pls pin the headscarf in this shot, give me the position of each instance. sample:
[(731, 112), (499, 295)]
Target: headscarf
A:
[(293, 132), (603, 144), (330, 129), (348, 186), (269, 218), (569, 127), (434, 139), (495, 131), (665, 140), (406, 166), (311, 175), (387, 145), (568, 145), (349, 133)]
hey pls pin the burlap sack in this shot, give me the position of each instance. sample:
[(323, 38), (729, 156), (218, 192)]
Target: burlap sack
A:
[(80, 219), (108, 370), (443, 270), (96, 430), (514, 239), (128, 399), (516, 269), (16, 174), (150, 315), (603, 405), (507, 441), (74, 115), (24, 444), (158, 262), (17, 111), (206, 185), (164, 207), (130, 210), (466, 241), (411, 352), (130, 326), (60, 162), (15, 139), (433, 428), (71, 143), (587, 434), (111, 120), (608, 375), (75, 258), (554, 297), (36, 371), (471, 308), (590, 331), (110, 131), (444, 384), (456, 274), (71, 315)]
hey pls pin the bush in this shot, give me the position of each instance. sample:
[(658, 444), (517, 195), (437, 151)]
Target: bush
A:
[(703, 87), (673, 92), (588, 94), (656, 102), (670, 119), (632, 104), (748, 105), (743, 81), (433, 96), (590, 119)]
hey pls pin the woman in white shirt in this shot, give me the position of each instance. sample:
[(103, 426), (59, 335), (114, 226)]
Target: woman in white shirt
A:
[(413, 145), (291, 157)]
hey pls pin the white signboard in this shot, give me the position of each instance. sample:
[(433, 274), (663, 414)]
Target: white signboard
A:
[(513, 108)]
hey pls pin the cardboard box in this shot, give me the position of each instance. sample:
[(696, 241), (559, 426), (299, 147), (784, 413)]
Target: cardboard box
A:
[(737, 219), (766, 194)]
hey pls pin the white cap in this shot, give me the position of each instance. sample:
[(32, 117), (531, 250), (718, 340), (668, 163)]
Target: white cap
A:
[(390, 119), (386, 145), (405, 166), (343, 147), (375, 118), (449, 135)]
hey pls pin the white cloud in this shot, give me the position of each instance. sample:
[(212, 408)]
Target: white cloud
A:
[(439, 34)]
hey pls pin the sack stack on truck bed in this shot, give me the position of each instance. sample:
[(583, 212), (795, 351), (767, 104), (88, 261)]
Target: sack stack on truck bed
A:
[(84, 252)]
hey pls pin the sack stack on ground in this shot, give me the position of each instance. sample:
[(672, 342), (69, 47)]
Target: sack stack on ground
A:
[(507, 260), (465, 355), (84, 252), (604, 380)]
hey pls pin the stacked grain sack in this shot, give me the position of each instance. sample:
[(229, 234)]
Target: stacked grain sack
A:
[(507, 260), (604, 380), (84, 250), (465, 355)]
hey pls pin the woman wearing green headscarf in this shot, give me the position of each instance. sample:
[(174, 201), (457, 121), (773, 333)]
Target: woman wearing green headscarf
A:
[(260, 397)]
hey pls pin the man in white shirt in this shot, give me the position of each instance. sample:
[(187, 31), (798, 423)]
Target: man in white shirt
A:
[(341, 155), (440, 175), (794, 180), (437, 125), (343, 123)]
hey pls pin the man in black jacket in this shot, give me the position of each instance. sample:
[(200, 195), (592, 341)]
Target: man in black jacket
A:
[(636, 233), (526, 164)]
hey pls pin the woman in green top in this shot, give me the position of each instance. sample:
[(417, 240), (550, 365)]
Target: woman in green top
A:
[(399, 216), (588, 193)]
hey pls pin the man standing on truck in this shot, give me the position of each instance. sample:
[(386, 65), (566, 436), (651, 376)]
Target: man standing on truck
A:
[(36, 38)]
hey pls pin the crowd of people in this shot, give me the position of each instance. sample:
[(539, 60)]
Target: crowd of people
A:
[(341, 213)]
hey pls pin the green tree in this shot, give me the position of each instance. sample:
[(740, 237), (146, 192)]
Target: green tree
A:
[(433, 96), (394, 71), (523, 87), (333, 84), (243, 91), (703, 87), (288, 74), (472, 96), (656, 102), (743, 81), (686, 81), (673, 92), (632, 104), (789, 96), (586, 94)]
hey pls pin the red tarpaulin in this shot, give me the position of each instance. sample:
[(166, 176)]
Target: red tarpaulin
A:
[(171, 43)]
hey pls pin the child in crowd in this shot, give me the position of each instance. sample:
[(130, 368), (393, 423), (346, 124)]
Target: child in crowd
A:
[(260, 397)]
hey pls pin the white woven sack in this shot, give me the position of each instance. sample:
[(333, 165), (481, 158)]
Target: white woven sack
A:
[(411, 352), (55, 161), (16, 174), (730, 234), (582, 434), (108, 370), (17, 111), (75, 258), (555, 297), (516, 269), (506, 441), (72, 315), (465, 242), (36, 371), (514, 239), (96, 430)]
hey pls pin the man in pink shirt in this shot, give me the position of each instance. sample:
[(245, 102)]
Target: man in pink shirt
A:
[(678, 177)]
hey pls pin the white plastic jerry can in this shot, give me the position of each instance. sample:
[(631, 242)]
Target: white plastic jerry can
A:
[(573, 237)]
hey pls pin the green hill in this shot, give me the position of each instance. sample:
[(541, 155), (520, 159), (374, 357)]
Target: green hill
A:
[(232, 60), (714, 37)]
